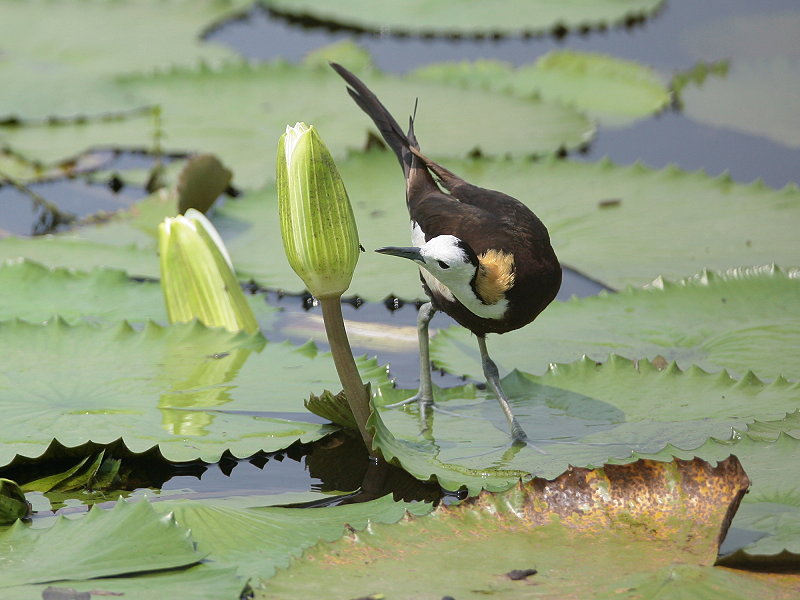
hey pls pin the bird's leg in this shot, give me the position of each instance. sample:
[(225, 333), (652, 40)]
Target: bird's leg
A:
[(493, 379), (425, 394)]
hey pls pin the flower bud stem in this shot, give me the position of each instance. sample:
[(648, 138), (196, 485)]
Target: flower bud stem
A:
[(346, 364)]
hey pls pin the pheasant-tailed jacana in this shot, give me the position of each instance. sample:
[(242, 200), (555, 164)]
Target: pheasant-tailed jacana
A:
[(485, 259)]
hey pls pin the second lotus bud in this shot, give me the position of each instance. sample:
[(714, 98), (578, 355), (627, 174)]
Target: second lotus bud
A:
[(197, 275)]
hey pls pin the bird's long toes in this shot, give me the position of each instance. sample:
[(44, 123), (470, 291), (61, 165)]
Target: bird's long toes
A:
[(418, 397)]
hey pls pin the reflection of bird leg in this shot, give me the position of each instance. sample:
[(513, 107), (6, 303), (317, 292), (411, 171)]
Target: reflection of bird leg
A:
[(493, 379), (425, 394)]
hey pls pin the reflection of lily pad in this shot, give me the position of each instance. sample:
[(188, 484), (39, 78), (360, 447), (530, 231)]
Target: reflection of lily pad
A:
[(579, 414), (611, 89), (193, 391), (452, 17), (755, 97), (743, 319)]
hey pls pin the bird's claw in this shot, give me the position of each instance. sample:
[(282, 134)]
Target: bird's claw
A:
[(423, 401)]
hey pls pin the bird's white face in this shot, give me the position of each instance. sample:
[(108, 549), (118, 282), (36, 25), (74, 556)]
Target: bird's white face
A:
[(449, 267), (445, 258)]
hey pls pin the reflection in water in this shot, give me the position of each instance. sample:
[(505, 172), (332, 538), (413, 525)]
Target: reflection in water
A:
[(182, 409), (341, 462)]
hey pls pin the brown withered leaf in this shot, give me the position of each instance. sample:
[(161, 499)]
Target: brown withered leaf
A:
[(687, 500), (618, 531)]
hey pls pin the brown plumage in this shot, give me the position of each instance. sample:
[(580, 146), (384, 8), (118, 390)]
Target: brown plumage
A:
[(510, 271)]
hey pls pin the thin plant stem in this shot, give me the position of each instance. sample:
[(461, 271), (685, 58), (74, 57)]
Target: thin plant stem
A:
[(346, 364)]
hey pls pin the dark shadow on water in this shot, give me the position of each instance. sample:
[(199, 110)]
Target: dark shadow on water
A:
[(337, 465)]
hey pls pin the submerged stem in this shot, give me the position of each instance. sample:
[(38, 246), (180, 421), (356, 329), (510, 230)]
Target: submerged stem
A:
[(346, 364)]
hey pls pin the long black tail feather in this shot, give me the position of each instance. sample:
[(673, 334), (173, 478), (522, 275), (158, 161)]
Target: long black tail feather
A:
[(398, 141)]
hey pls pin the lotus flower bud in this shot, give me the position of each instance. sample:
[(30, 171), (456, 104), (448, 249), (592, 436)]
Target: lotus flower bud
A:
[(197, 276), (317, 224)]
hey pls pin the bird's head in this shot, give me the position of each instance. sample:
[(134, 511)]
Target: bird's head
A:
[(446, 257), (484, 279)]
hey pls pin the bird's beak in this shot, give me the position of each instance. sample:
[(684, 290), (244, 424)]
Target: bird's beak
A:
[(410, 252)]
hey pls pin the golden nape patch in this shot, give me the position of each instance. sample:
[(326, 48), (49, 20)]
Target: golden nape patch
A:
[(495, 275)]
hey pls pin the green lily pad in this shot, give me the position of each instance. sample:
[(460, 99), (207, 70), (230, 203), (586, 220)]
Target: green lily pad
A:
[(610, 89), (578, 414), (132, 538), (201, 582), (103, 39), (742, 319), (259, 541), (76, 253), (781, 524), (238, 543), (222, 109), (754, 97), (751, 223), (665, 215), (193, 391), (530, 541), (451, 17), (17, 168), (771, 430), (33, 292)]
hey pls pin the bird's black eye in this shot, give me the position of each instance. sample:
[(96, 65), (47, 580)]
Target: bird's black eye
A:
[(443, 264)]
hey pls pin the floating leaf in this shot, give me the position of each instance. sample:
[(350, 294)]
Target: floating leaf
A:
[(780, 547), (752, 224), (239, 543), (222, 110), (107, 39), (665, 215), (193, 391), (260, 540), (614, 90), (451, 17), (17, 168), (33, 292), (771, 430), (741, 319), (132, 538), (530, 541), (201, 582), (578, 414)]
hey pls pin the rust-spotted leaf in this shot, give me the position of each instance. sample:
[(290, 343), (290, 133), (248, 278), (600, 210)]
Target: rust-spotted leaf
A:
[(587, 534)]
